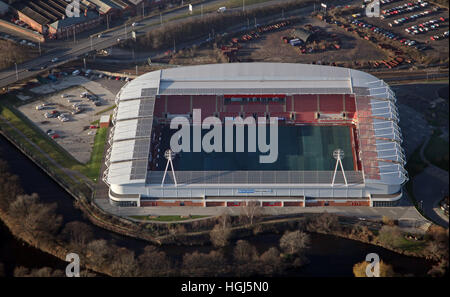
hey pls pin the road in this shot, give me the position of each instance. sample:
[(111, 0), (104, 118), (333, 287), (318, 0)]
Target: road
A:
[(67, 51), (430, 187)]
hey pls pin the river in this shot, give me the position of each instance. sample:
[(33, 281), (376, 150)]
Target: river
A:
[(328, 255)]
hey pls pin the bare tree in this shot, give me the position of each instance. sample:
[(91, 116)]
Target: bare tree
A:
[(124, 263), (270, 261), (37, 218), (99, 251), (153, 262), (244, 252), (294, 242), (220, 235), (251, 210), (78, 233), (199, 264)]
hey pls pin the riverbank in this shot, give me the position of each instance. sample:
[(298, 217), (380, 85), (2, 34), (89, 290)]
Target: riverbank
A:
[(186, 234)]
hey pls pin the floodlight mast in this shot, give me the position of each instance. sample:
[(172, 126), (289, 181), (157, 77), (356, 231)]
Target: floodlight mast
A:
[(338, 154), (169, 155)]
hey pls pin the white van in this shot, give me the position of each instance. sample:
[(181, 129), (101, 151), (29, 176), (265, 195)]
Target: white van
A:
[(221, 9)]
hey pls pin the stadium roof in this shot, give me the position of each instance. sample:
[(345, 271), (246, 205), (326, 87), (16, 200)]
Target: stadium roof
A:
[(381, 153)]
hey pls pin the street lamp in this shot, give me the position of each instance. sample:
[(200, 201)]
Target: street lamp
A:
[(17, 72)]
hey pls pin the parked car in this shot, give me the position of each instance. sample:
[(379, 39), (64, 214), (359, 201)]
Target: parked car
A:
[(76, 72)]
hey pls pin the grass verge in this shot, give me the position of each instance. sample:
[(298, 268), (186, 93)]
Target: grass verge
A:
[(92, 168), (50, 148)]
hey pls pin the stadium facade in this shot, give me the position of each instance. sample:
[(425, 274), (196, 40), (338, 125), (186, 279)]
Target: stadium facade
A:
[(299, 95)]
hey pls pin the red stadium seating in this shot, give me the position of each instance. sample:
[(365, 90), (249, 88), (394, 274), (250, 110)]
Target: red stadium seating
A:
[(179, 104), (331, 103), (160, 106), (207, 104)]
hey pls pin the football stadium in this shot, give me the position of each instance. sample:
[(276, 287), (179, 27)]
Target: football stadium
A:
[(339, 143)]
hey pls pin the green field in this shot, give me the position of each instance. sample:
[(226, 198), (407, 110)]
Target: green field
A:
[(303, 148)]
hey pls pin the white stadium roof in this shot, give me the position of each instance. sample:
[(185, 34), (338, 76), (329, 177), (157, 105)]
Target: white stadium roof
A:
[(133, 116)]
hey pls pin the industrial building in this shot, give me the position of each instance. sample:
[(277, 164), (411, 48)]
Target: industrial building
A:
[(49, 17), (339, 141)]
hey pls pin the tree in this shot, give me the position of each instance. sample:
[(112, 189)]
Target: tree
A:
[(250, 211), (294, 242), (21, 271), (124, 263), (200, 264), (389, 235), (78, 233), (386, 270), (270, 261), (37, 218), (324, 222), (244, 252), (221, 232), (153, 262), (219, 235), (99, 251)]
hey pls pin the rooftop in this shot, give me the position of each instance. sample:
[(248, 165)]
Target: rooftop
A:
[(380, 140)]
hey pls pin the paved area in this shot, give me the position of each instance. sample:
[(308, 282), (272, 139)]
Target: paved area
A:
[(408, 215), (430, 187), (415, 129), (75, 135)]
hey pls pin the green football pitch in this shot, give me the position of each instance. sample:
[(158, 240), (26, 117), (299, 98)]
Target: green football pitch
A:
[(302, 148)]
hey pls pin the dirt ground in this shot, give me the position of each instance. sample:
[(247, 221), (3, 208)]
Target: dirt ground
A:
[(270, 48)]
